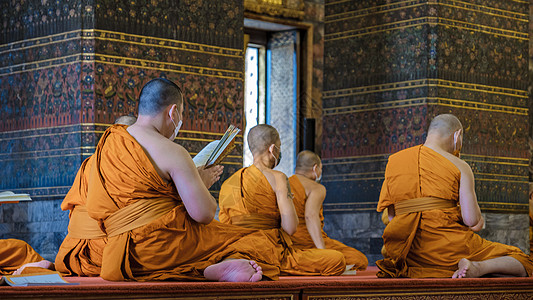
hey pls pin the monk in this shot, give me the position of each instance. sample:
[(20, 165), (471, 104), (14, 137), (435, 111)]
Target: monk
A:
[(155, 207), (259, 197), (308, 198), (81, 251), (17, 255), (433, 211)]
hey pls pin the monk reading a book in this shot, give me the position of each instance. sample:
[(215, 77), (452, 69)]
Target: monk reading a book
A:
[(17, 256), (155, 207), (434, 214), (259, 197), (81, 251), (308, 198)]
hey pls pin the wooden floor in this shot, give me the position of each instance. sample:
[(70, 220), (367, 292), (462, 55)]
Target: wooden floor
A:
[(364, 285)]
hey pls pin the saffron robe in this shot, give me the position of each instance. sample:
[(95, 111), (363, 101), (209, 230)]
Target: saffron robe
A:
[(15, 253), (247, 199), (301, 239), (430, 243), (80, 254), (173, 246)]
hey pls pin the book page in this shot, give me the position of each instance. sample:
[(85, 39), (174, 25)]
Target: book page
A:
[(215, 151), (201, 158), (36, 279), (225, 141), (10, 196)]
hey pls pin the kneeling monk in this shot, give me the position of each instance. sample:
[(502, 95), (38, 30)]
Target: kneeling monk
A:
[(308, 198), (156, 210), (16, 255), (433, 211), (259, 197)]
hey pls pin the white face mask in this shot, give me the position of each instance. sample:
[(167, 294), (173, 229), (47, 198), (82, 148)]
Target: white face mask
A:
[(277, 160), (456, 149), (176, 127), (317, 179)]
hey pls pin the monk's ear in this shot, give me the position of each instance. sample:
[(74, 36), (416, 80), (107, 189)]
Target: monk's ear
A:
[(170, 110), (457, 134)]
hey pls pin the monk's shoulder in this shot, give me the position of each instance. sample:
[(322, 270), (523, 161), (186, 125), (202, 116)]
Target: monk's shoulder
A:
[(164, 152), (277, 175), (276, 179), (316, 188), (405, 153), (310, 185), (166, 149), (462, 165)]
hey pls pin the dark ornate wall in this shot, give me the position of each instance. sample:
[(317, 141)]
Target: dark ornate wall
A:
[(381, 70), (390, 66), (69, 68)]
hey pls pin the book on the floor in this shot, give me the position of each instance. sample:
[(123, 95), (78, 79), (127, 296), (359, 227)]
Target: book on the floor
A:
[(34, 279), (216, 151), (8, 196)]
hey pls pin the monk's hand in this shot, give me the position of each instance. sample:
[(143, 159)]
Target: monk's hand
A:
[(210, 175)]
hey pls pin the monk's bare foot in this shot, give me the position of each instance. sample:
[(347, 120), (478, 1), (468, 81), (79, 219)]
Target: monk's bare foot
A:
[(467, 269), (235, 270), (41, 264)]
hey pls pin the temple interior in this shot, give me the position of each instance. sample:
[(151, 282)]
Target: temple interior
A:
[(354, 81)]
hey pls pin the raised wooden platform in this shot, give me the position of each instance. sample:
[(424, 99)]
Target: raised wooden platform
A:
[(362, 286)]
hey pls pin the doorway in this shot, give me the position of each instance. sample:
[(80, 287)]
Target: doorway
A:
[(272, 86)]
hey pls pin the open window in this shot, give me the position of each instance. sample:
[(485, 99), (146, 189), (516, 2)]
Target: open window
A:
[(272, 85)]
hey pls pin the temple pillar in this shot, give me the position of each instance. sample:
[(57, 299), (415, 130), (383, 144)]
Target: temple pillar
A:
[(389, 68), (69, 68)]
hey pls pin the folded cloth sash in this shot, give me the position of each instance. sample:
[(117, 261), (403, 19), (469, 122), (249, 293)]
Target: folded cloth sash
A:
[(82, 226), (137, 214), (422, 204)]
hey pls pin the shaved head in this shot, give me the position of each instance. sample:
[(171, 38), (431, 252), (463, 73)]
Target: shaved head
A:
[(125, 120), (306, 160), (260, 137), (444, 125), (157, 94)]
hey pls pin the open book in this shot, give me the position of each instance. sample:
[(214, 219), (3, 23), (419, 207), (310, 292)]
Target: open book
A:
[(216, 151), (34, 279), (12, 197)]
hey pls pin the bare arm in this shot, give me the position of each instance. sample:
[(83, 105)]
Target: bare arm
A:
[(289, 218), (313, 205), (199, 203), (470, 210)]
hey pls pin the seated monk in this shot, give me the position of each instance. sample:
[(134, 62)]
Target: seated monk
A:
[(81, 251), (433, 211), (17, 255), (308, 198), (155, 207), (259, 197)]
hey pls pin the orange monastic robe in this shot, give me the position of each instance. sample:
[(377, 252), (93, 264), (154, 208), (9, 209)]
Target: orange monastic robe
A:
[(430, 243), (14, 254), (247, 199), (80, 254), (302, 240), (173, 246)]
